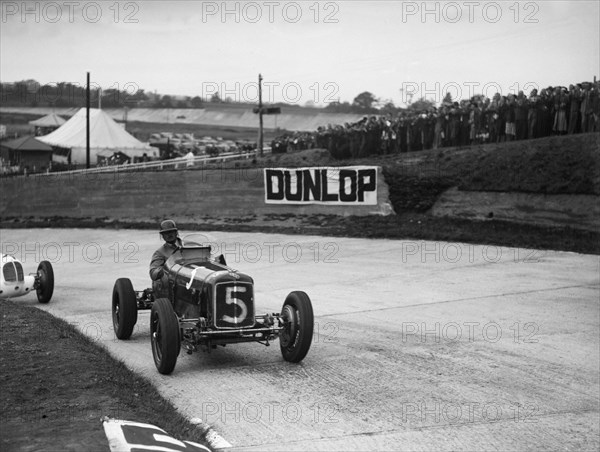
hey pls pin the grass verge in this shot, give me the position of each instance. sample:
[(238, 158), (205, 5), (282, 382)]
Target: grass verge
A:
[(57, 384)]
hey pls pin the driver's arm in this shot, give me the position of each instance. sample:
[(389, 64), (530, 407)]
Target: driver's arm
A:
[(156, 265)]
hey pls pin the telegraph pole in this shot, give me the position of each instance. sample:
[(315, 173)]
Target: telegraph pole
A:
[(87, 124), (262, 111), (260, 116)]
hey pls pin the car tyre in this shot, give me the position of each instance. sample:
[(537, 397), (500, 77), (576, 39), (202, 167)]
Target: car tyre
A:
[(45, 286), (164, 335), (124, 308), (298, 322)]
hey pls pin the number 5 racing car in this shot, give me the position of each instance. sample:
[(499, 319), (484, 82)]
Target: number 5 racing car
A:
[(204, 303)]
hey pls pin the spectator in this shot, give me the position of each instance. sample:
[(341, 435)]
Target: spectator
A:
[(594, 122), (547, 110), (438, 132), (491, 114), (521, 116), (574, 109), (560, 111), (586, 107), (509, 115), (532, 114), (473, 123)]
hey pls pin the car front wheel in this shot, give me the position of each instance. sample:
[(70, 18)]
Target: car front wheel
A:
[(45, 286), (298, 323), (164, 335), (124, 308)]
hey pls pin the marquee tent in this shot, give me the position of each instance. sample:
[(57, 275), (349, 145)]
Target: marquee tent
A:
[(47, 124), (105, 135), (51, 120)]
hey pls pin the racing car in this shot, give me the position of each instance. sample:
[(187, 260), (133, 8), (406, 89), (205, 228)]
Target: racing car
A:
[(206, 304), (14, 283)]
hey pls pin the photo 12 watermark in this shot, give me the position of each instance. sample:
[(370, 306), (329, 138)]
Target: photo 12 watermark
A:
[(453, 331), (437, 92), (470, 12), (264, 412), (270, 12), (465, 253), (253, 252), (71, 252), (70, 12), (326, 332), (66, 93), (288, 91), (467, 412)]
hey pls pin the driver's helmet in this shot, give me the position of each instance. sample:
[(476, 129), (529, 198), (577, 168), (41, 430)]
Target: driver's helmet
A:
[(167, 226)]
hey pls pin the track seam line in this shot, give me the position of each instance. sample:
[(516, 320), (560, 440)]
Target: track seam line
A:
[(457, 300)]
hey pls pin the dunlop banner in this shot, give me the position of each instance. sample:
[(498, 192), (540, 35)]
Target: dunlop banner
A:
[(348, 185)]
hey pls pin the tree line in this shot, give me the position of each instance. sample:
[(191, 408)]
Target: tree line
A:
[(30, 93)]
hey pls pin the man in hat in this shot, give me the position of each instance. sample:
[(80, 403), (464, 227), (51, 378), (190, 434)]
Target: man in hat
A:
[(586, 107), (168, 232)]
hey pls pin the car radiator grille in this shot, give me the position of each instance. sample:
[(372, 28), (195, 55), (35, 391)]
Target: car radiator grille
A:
[(9, 272), (19, 271)]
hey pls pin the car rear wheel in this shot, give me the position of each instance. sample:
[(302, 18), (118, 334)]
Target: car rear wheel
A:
[(165, 336), (298, 322), (45, 286), (124, 308)]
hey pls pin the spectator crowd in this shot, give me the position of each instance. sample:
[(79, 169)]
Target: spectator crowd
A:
[(293, 141), (551, 111)]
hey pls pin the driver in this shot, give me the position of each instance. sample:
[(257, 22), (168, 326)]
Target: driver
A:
[(168, 232)]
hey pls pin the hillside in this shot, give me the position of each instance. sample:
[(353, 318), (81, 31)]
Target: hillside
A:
[(553, 165), (561, 165)]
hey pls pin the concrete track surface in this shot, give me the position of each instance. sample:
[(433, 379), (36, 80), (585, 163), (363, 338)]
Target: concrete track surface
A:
[(417, 345)]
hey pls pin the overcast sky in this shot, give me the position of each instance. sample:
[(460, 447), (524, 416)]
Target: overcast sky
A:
[(306, 50)]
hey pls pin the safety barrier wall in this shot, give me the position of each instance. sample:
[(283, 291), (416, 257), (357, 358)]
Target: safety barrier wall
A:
[(150, 195)]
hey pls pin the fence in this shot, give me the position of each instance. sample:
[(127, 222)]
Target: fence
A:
[(160, 165)]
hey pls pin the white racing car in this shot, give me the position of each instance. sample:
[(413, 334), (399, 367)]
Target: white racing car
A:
[(14, 283)]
